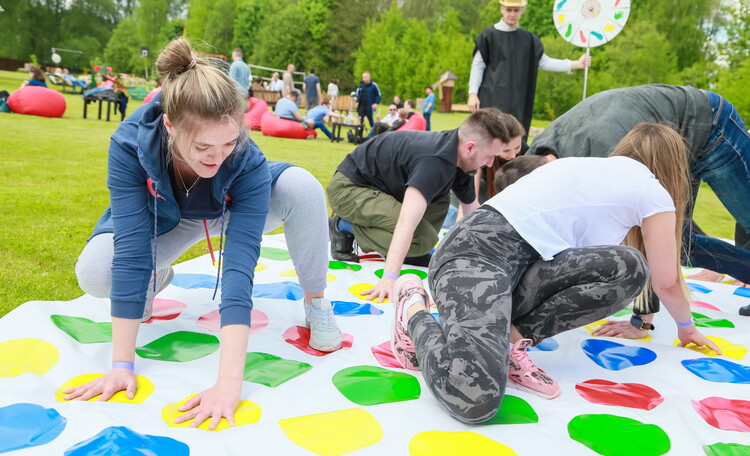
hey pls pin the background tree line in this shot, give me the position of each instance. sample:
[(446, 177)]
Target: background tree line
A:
[(405, 44)]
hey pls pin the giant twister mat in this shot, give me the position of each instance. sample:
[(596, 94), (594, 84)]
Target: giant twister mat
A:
[(619, 397)]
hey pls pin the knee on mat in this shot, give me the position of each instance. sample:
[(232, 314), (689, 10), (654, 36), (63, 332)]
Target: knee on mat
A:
[(94, 278), (477, 412)]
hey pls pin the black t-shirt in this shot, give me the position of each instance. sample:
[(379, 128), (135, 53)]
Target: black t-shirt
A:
[(425, 160), (200, 202)]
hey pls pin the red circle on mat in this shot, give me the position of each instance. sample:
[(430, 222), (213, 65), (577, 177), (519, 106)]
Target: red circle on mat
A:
[(212, 322), (384, 355), (166, 309), (633, 395), (725, 414), (704, 305), (299, 336)]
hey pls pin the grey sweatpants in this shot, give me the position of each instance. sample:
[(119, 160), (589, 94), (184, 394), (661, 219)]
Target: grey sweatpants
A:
[(484, 276), (297, 202)]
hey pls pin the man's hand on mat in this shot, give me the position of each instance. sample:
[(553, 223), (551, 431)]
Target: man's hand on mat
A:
[(620, 329), (215, 403), (691, 334), (381, 291), (106, 385)]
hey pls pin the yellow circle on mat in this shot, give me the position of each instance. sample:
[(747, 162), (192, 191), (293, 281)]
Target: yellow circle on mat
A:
[(246, 413), (443, 443), (727, 348), (293, 273), (145, 388), (333, 433), (591, 327), (21, 356), (357, 290), (260, 267)]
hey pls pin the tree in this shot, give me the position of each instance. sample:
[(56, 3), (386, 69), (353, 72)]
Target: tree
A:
[(284, 41), (558, 92), (123, 48), (732, 85), (737, 45), (219, 28), (250, 17)]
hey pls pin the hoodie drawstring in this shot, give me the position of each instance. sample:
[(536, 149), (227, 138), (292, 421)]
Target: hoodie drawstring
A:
[(208, 242), (221, 241), (153, 245)]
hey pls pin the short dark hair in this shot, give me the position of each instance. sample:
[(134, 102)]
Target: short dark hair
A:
[(515, 169), (489, 124), (312, 70)]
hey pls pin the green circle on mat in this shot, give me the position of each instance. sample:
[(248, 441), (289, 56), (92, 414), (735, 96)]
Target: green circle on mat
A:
[(343, 265), (84, 330), (271, 370), (369, 385), (422, 274), (180, 346), (272, 253), (708, 322), (726, 449), (514, 410), (626, 311), (611, 435)]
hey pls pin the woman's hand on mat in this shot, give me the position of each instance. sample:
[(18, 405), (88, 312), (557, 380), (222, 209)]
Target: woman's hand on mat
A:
[(215, 403), (381, 291), (620, 329), (690, 334), (106, 385)]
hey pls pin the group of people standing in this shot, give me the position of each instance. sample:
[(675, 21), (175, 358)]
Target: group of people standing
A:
[(570, 242)]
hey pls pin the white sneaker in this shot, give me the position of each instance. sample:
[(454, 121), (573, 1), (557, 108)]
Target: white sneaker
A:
[(163, 279), (324, 334)]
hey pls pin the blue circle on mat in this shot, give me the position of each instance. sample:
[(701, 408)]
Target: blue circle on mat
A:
[(123, 441), (192, 281), (742, 291), (353, 309), (613, 356), (278, 290), (718, 370), (28, 425), (698, 288), (547, 345)]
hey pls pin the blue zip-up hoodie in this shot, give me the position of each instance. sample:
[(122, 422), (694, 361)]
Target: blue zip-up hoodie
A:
[(142, 206)]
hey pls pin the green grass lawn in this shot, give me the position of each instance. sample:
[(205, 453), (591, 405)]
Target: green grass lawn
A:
[(53, 190)]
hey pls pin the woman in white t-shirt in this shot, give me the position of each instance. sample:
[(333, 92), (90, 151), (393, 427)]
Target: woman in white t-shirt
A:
[(333, 93), (570, 215)]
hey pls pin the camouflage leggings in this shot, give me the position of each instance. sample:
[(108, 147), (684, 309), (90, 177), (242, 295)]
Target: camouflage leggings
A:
[(482, 277)]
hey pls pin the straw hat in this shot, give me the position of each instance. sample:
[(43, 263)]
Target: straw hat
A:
[(513, 3)]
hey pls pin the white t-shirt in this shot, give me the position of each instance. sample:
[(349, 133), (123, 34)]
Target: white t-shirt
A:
[(581, 202)]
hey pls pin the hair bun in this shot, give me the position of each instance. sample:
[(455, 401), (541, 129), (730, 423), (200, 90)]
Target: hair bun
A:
[(176, 58)]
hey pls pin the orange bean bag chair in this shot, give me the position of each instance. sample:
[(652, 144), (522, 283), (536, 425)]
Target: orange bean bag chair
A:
[(415, 122), (37, 101), (255, 110), (271, 125)]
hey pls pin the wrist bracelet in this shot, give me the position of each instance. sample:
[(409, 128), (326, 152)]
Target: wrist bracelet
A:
[(392, 275), (689, 322), (129, 365)]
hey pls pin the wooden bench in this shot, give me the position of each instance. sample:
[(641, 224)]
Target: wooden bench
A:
[(269, 96)]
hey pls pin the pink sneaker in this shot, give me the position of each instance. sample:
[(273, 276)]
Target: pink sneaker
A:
[(525, 376), (401, 344)]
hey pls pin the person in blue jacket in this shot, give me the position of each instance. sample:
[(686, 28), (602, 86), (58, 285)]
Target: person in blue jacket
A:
[(179, 167), (368, 98)]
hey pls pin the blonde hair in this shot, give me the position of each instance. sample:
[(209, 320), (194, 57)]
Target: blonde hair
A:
[(194, 92), (663, 151)]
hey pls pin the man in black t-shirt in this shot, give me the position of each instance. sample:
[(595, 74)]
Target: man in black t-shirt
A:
[(391, 193)]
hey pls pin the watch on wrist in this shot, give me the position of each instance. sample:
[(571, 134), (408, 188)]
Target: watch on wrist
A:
[(640, 323)]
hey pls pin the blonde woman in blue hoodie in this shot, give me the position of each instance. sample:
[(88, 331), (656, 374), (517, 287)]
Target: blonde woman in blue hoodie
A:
[(178, 167)]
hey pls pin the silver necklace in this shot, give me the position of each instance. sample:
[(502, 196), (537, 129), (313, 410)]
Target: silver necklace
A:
[(187, 190)]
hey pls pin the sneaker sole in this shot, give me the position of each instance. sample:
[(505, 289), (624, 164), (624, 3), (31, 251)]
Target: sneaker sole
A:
[(526, 389), (399, 311)]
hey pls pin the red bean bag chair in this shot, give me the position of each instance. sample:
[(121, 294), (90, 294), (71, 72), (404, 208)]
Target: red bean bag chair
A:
[(151, 95), (255, 110), (37, 101), (415, 122), (271, 125)]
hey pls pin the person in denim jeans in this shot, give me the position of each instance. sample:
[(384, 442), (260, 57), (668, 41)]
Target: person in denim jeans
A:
[(718, 153)]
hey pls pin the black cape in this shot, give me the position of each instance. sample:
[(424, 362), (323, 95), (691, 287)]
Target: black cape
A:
[(509, 81)]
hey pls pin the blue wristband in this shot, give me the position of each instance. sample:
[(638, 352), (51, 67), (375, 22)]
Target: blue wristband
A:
[(690, 322), (391, 275), (129, 365)]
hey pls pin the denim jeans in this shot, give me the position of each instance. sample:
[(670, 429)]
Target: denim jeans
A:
[(427, 116), (323, 128), (725, 165)]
